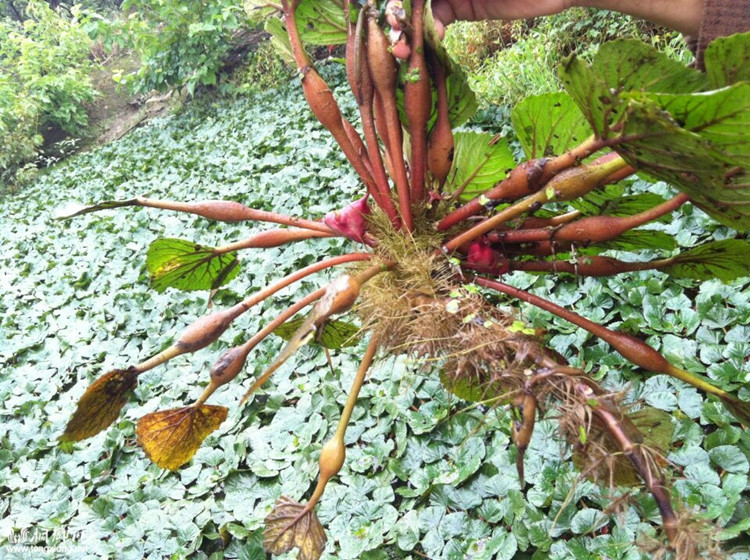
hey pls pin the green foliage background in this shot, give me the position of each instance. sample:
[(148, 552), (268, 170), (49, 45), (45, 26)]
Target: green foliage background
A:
[(508, 61), (44, 82), (425, 474), (180, 44)]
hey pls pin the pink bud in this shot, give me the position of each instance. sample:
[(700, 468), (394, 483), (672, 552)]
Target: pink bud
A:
[(483, 258), (401, 48), (350, 221), (434, 196)]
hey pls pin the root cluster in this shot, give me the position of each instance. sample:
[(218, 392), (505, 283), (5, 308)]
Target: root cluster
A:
[(422, 307)]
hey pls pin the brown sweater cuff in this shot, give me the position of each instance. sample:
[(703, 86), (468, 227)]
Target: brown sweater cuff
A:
[(721, 18)]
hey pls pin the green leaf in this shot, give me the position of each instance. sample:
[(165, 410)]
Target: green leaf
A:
[(726, 435), (735, 530), (321, 22), (727, 60), (471, 389), (611, 201), (726, 260), (258, 11), (462, 101), (469, 459), (184, 265), (656, 427), (730, 458), (549, 124), (280, 40), (480, 160), (334, 335), (587, 521), (621, 66), (720, 118), (639, 240), (702, 149)]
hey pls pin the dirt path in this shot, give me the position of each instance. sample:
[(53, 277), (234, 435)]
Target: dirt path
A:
[(116, 112)]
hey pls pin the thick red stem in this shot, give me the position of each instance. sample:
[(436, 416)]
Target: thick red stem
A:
[(272, 238), (584, 266), (525, 179), (228, 211), (383, 70), (632, 349), (417, 103), (285, 315), (298, 275), (593, 229), (321, 101), (361, 84), (568, 185), (441, 143)]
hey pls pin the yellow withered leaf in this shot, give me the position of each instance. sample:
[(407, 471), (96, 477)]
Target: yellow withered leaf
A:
[(100, 405), (170, 438), (289, 526)]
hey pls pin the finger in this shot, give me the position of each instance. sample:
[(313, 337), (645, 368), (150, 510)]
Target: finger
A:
[(440, 28), (442, 12)]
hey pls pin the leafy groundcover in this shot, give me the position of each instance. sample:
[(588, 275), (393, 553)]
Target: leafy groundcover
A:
[(427, 475)]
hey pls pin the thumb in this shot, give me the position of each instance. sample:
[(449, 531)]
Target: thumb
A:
[(443, 14), (440, 28)]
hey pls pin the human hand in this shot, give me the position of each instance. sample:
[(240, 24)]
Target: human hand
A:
[(683, 15), (448, 11)]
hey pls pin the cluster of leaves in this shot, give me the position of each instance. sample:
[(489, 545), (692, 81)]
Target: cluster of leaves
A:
[(180, 44), (44, 81), (506, 62), (439, 477), (263, 70), (17, 9)]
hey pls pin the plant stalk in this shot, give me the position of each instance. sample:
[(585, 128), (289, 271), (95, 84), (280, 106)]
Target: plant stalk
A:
[(593, 229), (383, 70), (321, 101), (209, 328), (634, 453), (417, 103), (338, 437), (571, 184), (361, 84), (339, 296), (632, 349), (272, 238), (524, 180), (249, 345), (229, 211)]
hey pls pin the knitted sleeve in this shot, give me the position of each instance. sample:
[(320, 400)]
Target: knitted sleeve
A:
[(720, 18)]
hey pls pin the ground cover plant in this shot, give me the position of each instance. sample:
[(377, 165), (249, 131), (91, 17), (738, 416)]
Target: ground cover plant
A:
[(418, 289), (470, 454)]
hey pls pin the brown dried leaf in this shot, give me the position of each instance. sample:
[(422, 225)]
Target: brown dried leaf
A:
[(100, 405), (648, 427), (170, 438), (289, 526)]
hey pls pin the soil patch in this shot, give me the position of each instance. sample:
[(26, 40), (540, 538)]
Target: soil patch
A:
[(116, 111)]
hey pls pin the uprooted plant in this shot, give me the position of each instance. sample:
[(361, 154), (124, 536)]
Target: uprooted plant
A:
[(446, 215)]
